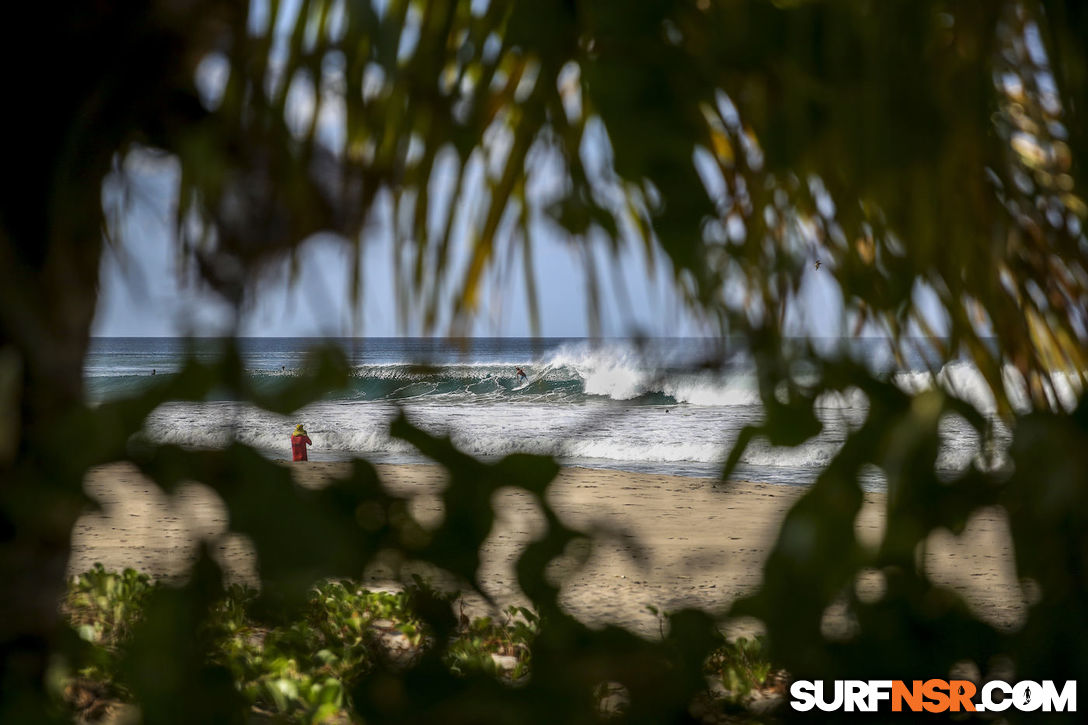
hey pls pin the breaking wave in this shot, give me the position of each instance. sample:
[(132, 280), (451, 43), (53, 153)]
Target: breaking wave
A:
[(651, 411), (571, 374)]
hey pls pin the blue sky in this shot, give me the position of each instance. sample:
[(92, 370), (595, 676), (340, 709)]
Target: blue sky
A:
[(143, 291), (144, 295)]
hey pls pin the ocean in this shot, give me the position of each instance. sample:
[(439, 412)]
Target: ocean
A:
[(618, 404)]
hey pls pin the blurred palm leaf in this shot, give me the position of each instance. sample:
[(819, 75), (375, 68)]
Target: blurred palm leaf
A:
[(828, 130)]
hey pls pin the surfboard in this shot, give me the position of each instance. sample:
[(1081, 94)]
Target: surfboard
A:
[(530, 381)]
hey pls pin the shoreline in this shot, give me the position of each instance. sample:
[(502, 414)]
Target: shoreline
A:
[(696, 469), (704, 541)]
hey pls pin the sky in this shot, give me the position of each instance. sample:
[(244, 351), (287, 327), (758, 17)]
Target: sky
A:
[(142, 294), (143, 291)]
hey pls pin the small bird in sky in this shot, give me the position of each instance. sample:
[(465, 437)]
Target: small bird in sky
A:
[(817, 264)]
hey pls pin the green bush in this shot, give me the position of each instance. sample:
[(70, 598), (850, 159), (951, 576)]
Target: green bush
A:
[(741, 666), (105, 605), (301, 671)]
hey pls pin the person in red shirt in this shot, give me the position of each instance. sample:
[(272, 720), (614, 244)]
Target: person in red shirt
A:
[(299, 441)]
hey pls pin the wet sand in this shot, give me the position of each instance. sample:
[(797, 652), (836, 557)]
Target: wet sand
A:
[(672, 541)]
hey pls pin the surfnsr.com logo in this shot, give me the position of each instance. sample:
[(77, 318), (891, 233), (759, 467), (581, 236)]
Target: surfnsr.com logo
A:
[(933, 696)]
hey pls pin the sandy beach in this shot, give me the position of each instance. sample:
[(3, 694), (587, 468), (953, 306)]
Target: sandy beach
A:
[(703, 543)]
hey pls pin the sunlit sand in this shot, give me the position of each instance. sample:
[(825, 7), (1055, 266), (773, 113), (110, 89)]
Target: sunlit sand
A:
[(666, 541)]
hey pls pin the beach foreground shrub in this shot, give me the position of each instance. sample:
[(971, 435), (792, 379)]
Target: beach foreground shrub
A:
[(303, 670)]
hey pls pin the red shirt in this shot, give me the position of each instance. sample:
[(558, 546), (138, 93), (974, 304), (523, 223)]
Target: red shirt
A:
[(298, 447)]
